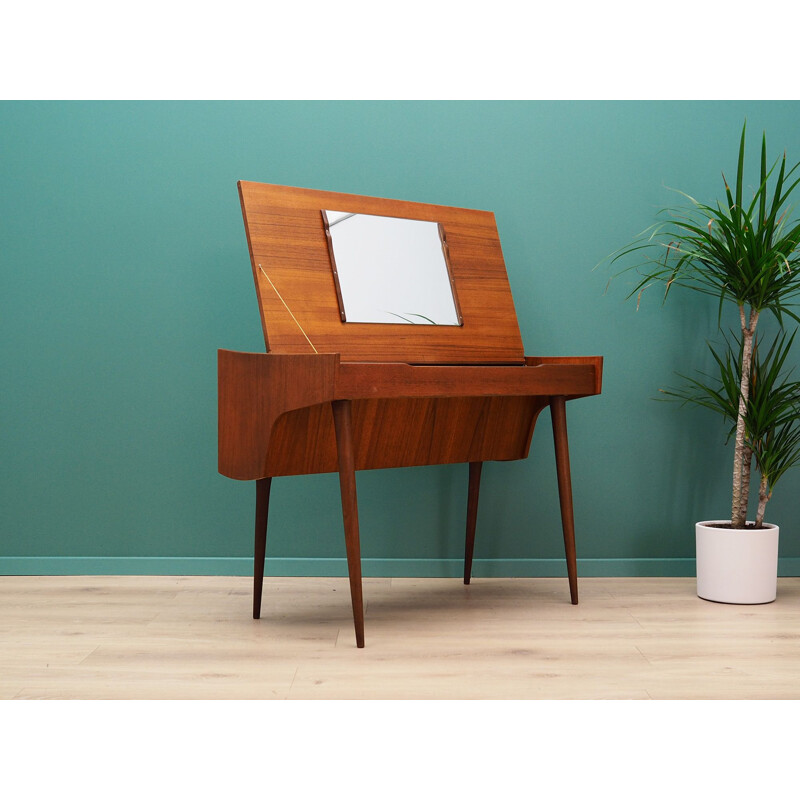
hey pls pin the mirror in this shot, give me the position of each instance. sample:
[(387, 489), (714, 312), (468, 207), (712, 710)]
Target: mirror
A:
[(390, 270)]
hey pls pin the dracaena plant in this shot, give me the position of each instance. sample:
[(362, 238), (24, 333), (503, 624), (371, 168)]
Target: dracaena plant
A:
[(747, 255), (772, 418)]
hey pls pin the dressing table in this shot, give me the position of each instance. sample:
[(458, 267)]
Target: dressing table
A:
[(422, 366)]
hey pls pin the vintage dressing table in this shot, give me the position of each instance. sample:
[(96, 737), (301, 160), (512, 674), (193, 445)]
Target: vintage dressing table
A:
[(422, 364)]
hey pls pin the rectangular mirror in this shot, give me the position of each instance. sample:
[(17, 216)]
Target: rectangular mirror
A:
[(390, 270)]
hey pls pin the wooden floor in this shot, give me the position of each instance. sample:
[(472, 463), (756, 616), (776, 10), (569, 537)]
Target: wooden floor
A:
[(509, 638)]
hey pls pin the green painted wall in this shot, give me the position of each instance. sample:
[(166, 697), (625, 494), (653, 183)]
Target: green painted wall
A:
[(125, 267)]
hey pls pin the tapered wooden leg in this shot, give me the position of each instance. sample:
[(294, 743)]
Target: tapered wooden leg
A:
[(262, 511), (472, 515), (347, 482), (559, 418)]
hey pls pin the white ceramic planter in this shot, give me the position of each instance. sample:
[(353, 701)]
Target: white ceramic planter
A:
[(737, 566)]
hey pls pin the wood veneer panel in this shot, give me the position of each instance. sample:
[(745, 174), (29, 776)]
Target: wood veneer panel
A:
[(405, 432), (286, 238), (552, 377), (595, 361), (254, 389), (275, 418)]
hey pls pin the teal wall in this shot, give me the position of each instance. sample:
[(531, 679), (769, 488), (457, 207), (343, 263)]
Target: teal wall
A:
[(125, 267)]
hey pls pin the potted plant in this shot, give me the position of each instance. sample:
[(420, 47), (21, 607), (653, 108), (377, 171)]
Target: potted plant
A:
[(734, 565), (747, 256)]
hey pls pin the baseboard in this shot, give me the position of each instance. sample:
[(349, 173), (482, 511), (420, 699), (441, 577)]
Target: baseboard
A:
[(371, 567)]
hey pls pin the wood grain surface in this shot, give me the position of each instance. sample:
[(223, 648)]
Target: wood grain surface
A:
[(286, 237), (131, 637), (275, 417)]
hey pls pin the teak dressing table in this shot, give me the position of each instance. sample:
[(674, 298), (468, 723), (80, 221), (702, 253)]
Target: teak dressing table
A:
[(332, 395)]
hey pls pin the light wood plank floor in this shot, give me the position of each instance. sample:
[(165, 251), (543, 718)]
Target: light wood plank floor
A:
[(130, 637)]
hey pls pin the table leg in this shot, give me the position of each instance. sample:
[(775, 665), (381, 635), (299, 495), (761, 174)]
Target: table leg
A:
[(472, 515), (559, 419), (347, 483), (262, 511)]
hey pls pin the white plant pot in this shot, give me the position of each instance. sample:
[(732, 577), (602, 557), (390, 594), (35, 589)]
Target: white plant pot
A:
[(736, 566)]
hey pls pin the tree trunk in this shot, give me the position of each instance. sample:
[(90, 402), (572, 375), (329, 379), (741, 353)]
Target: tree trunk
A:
[(762, 501), (747, 466), (740, 466)]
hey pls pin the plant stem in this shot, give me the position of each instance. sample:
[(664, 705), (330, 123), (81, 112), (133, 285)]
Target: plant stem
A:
[(762, 501), (747, 464), (740, 466)]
